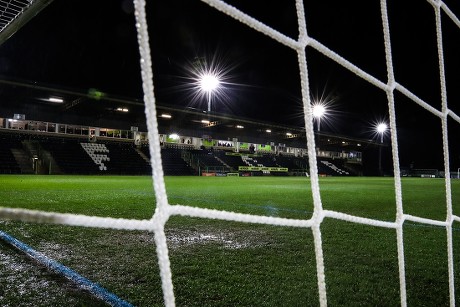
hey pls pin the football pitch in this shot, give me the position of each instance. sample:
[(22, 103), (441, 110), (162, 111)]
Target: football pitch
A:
[(220, 263)]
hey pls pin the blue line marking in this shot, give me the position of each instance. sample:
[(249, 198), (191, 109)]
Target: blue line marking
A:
[(61, 269)]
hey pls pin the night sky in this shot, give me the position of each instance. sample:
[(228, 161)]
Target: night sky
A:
[(93, 44)]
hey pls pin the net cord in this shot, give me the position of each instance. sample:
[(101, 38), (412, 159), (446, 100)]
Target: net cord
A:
[(318, 214), (164, 210), (391, 85), (160, 216), (445, 141)]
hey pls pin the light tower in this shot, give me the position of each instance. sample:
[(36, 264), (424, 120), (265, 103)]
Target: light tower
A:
[(318, 111), (209, 83), (381, 129)]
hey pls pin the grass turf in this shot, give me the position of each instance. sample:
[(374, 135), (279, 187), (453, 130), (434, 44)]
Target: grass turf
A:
[(228, 263)]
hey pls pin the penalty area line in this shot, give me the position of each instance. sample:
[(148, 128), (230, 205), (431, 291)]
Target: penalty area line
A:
[(68, 273)]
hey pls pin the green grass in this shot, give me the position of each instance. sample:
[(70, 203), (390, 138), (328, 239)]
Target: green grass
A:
[(229, 263)]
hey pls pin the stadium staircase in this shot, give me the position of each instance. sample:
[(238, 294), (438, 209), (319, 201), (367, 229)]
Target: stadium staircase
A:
[(206, 161), (231, 161), (8, 164), (174, 164), (125, 160), (23, 160), (143, 156), (70, 157), (249, 161), (328, 168)]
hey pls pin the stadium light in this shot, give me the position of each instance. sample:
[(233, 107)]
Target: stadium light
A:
[(319, 111), (56, 100), (174, 136), (381, 128), (208, 84)]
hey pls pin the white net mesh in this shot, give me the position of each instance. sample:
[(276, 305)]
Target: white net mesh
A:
[(164, 210)]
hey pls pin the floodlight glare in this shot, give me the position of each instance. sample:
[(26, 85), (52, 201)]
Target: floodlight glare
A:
[(174, 136), (382, 127), (318, 110), (56, 100), (209, 82)]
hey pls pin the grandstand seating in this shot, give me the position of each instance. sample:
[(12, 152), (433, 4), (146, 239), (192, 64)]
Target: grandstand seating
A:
[(331, 168), (124, 160), (98, 153), (207, 160), (70, 156), (145, 150), (8, 164), (266, 160), (292, 163), (77, 156), (173, 164), (232, 161)]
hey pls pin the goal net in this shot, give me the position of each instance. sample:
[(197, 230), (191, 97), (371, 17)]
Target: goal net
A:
[(390, 87)]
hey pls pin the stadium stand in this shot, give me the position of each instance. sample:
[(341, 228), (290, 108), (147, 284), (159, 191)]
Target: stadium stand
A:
[(231, 161), (83, 155), (332, 168), (125, 160), (70, 156), (8, 164), (206, 159), (292, 163), (173, 164), (265, 160), (98, 153)]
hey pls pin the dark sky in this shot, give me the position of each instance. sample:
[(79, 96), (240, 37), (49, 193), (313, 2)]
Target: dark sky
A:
[(92, 44)]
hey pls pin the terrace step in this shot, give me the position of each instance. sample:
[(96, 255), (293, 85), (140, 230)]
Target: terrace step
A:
[(24, 161)]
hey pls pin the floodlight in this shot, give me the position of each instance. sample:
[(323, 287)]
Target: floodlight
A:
[(209, 82), (56, 100), (318, 110), (382, 127), (174, 136), (166, 115)]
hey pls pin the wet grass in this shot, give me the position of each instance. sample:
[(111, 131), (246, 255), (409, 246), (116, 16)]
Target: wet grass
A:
[(229, 263)]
